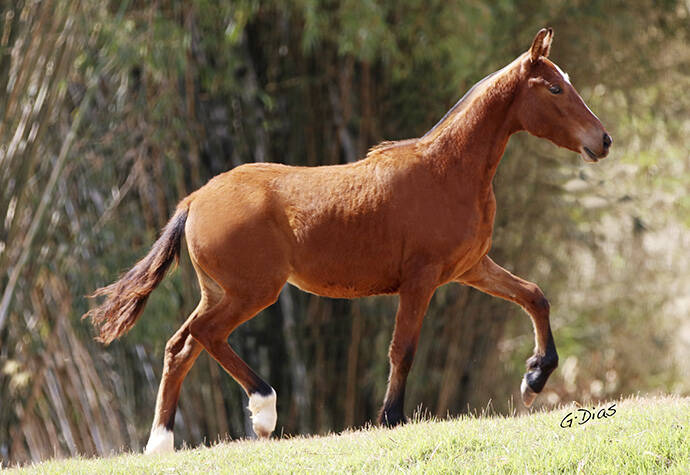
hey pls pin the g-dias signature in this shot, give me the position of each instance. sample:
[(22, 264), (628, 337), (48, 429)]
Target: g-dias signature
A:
[(582, 415)]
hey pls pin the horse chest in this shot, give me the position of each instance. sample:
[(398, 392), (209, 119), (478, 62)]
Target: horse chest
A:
[(469, 237)]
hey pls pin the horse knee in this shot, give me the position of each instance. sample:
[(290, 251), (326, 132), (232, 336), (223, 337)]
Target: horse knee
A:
[(542, 306), (537, 302)]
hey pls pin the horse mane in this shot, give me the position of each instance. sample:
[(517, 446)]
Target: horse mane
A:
[(465, 99), (388, 144)]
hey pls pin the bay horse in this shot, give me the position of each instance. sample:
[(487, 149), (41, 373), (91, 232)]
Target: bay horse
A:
[(412, 216)]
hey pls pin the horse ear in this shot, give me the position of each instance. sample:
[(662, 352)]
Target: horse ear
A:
[(547, 42), (541, 44)]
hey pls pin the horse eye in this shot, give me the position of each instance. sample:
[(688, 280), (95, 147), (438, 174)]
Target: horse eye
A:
[(555, 89)]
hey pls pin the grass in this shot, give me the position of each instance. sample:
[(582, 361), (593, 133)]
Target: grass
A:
[(645, 435)]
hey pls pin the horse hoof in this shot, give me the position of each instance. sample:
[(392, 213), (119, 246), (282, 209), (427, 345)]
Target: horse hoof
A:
[(528, 395), (390, 420), (261, 433)]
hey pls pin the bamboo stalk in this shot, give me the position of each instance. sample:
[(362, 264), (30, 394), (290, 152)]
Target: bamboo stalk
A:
[(352, 362), (449, 380), (298, 370), (45, 200)]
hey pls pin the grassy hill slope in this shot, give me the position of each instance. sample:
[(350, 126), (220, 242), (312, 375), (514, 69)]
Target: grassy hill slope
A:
[(644, 435)]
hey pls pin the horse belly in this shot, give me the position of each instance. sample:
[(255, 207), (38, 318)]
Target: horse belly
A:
[(345, 271), (342, 289)]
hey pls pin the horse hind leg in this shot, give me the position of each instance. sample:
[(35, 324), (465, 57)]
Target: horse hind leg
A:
[(212, 330), (181, 352)]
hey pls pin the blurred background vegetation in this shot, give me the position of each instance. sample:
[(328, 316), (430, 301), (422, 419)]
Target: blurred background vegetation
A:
[(110, 112)]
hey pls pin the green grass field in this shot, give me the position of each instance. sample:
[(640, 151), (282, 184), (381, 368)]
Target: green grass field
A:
[(645, 435)]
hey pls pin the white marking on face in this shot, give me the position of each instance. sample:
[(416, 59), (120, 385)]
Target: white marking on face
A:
[(264, 415), (565, 76), (161, 441)]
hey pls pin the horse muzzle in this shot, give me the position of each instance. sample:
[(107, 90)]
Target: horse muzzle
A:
[(594, 154)]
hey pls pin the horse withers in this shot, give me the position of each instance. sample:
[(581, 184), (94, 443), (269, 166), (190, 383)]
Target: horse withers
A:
[(411, 216)]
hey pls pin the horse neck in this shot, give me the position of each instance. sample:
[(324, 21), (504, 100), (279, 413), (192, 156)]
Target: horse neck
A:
[(469, 148)]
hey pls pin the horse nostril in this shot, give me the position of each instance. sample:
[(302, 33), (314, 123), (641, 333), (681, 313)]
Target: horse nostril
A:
[(607, 140)]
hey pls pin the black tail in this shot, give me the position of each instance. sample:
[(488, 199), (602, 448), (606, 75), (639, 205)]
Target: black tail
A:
[(126, 298)]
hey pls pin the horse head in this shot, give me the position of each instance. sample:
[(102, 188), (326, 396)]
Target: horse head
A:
[(548, 106)]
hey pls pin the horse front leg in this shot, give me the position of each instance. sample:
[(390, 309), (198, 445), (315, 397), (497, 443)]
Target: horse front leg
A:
[(412, 306), (492, 279)]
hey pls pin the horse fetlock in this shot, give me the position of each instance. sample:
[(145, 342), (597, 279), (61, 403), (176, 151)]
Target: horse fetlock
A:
[(545, 363), (539, 368), (161, 441), (264, 415)]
